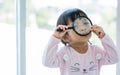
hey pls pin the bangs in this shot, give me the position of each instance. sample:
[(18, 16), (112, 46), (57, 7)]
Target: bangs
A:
[(70, 14)]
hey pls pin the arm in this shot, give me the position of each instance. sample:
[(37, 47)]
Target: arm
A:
[(51, 58), (110, 54)]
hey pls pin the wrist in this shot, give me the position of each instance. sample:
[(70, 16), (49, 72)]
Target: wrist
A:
[(56, 35), (102, 36)]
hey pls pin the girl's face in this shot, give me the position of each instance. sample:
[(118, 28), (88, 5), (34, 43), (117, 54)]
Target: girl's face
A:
[(73, 38)]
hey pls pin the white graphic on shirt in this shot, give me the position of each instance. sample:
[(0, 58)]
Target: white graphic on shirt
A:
[(75, 68), (66, 57), (83, 68), (93, 67), (98, 56)]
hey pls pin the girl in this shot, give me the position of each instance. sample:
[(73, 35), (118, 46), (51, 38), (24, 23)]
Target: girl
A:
[(77, 57)]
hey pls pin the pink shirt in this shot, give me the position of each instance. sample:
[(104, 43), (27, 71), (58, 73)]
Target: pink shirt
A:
[(71, 62)]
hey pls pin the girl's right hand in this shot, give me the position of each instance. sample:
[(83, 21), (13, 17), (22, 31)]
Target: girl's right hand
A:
[(60, 35)]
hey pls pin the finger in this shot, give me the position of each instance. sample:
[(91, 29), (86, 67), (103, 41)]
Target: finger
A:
[(63, 27), (96, 32), (93, 28), (62, 34), (102, 34), (60, 28)]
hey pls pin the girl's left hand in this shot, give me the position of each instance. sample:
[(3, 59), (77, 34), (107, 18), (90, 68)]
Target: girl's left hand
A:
[(98, 31)]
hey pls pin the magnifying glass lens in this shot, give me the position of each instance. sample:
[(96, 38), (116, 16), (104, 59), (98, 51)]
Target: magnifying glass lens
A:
[(82, 26)]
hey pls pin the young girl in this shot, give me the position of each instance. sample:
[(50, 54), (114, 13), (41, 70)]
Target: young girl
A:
[(77, 56)]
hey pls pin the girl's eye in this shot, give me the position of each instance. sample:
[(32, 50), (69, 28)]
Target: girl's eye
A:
[(86, 23)]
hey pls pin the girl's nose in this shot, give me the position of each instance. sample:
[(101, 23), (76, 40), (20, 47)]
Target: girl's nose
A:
[(83, 29), (84, 70)]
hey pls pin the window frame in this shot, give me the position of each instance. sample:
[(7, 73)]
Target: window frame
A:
[(118, 35), (20, 36)]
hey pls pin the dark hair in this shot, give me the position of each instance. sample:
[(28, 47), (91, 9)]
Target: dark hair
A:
[(71, 14)]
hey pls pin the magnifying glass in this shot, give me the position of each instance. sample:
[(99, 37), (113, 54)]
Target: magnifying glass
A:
[(81, 26)]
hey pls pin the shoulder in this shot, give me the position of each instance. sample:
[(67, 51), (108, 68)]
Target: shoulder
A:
[(64, 52), (63, 49), (97, 51), (96, 48)]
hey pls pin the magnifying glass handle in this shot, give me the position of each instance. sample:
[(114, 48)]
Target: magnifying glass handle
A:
[(60, 30)]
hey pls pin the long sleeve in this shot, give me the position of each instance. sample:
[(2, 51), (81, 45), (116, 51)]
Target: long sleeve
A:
[(51, 56), (109, 52)]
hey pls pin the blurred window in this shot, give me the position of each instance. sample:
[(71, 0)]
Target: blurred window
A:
[(41, 21), (7, 38)]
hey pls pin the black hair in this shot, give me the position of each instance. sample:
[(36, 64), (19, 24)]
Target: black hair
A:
[(71, 14)]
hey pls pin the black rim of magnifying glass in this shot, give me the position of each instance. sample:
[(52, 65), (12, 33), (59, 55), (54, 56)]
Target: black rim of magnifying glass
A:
[(76, 31), (59, 30)]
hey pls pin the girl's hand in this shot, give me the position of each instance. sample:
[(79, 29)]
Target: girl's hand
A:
[(98, 31), (60, 35)]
